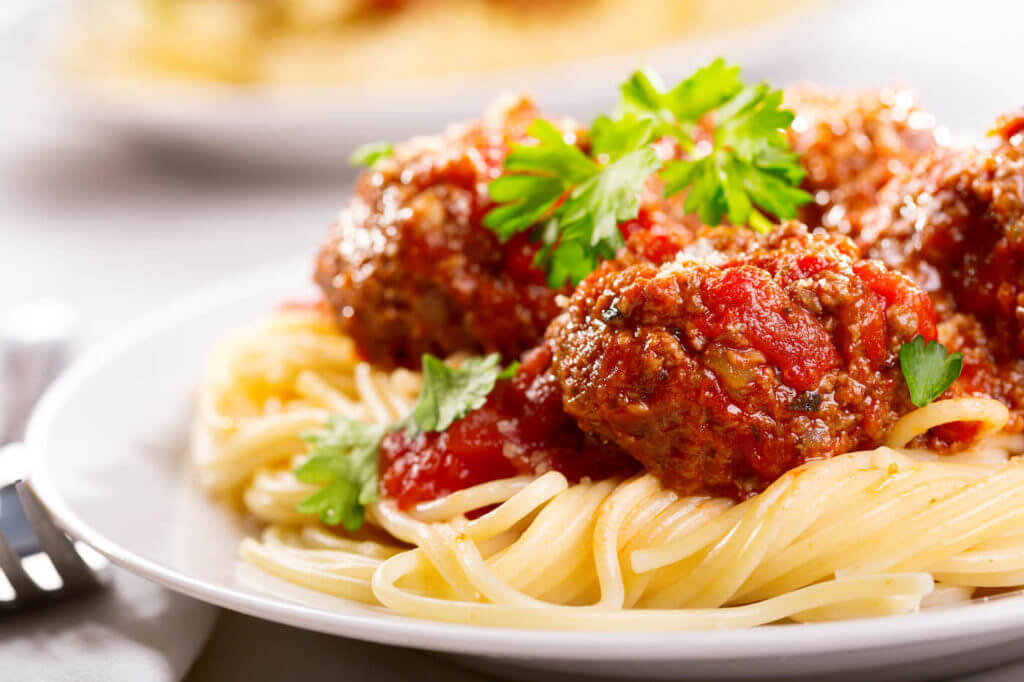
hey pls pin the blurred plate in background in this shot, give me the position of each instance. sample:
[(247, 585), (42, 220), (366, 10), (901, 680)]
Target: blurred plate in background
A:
[(963, 64), (310, 108)]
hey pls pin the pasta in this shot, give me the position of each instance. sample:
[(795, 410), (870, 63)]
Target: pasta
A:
[(292, 43), (866, 533)]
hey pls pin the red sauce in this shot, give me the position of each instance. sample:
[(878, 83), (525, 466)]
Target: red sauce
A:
[(519, 254), (895, 289), (522, 429), (787, 335)]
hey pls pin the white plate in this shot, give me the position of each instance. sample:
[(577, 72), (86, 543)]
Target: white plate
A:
[(109, 461)]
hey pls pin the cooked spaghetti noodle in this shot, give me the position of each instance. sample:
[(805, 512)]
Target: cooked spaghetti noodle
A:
[(865, 533), (291, 42)]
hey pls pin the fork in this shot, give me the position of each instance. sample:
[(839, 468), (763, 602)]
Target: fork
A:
[(35, 340), (76, 576)]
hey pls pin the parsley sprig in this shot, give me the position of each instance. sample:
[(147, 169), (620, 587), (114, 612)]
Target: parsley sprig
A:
[(450, 393), (343, 458), (576, 201), (929, 369), (572, 202), (676, 112), (750, 166), (344, 455)]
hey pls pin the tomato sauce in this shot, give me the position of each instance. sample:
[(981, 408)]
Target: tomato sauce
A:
[(788, 335), (522, 429)]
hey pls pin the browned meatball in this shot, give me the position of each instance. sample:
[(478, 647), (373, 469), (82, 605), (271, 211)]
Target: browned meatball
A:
[(955, 222), (852, 144), (409, 268), (719, 373)]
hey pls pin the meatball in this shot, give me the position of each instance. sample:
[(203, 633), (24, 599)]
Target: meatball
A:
[(409, 268), (955, 223), (851, 144), (720, 372), (521, 429)]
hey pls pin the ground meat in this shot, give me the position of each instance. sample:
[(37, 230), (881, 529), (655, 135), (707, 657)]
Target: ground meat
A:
[(522, 429), (851, 144), (720, 372), (955, 222)]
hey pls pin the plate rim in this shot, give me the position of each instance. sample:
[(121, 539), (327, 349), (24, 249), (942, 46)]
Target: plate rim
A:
[(874, 634)]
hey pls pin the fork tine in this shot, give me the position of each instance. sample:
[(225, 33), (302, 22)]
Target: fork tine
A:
[(73, 570), (25, 589)]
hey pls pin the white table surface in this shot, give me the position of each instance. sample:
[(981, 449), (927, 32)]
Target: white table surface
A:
[(115, 232)]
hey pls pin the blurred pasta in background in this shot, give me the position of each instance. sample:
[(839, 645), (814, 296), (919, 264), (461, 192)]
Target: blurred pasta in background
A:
[(340, 41)]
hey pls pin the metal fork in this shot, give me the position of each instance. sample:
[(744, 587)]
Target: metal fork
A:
[(76, 576), (35, 342)]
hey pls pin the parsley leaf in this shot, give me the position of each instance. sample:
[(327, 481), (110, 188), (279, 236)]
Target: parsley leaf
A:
[(450, 393), (371, 153), (677, 111), (587, 223), (572, 202), (344, 457), (928, 369), (612, 139), (509, 371), (535, 178), (750, 167)]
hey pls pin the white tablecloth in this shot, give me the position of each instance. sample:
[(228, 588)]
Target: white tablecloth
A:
[(132, 630)]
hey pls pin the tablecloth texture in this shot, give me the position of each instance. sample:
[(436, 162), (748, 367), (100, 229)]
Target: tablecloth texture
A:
[(133, 630)]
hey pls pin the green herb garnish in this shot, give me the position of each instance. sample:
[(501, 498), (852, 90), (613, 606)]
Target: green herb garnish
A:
[(577, 201), (371, 153), (344, 458), (929, 369), (676, 112), (344, 455), (450, 393), (572, 202)]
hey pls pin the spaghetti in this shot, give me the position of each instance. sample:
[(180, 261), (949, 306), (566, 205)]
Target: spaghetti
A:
[(866, 533), (290, 42)]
